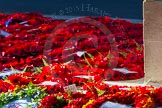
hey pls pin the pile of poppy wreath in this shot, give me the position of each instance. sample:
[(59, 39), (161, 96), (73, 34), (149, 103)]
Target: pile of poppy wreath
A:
[(82, 51), (89, 93), (106, 43)]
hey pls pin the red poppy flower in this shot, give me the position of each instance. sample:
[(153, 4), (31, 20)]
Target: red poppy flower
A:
[(5, 87), (48, 102), (18, 79)]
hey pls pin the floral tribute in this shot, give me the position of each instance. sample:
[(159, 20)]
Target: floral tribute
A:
[(78, 52), (108, 43), (90, 93)]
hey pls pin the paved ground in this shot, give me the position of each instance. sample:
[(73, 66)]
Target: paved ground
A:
[(140, 82)]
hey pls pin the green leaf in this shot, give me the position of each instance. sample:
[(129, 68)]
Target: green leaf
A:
[(2, 94), (87, 86), (146, 82), (24, 70), (67, 62), (6, 98), (90, 55), (43, 89), (38, 70), (123, 54), (4, 78), (59, 98), (100, 92), (139, 47), (13, 70), (109, 55), (86, 60), (44, 62), (99, 54), (70, 100), (7, 93), (80, 65), (29, 106)]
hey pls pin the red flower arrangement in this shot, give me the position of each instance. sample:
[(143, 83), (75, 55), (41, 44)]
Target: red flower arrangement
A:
[(30, 31), (138, 97)]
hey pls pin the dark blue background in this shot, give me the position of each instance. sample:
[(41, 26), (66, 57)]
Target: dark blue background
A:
[(116, 8)]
